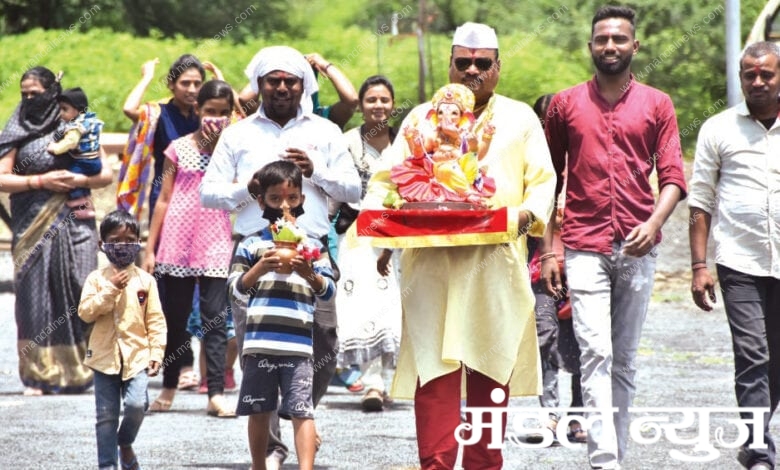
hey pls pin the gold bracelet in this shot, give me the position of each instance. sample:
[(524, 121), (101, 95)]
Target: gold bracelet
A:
[(546, 256), (29, 182)]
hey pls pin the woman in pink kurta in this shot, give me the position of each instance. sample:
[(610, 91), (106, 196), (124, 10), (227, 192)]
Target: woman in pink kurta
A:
[(193, 245), (194, 241)]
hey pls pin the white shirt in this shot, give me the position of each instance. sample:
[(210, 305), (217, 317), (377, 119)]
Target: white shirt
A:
[(737, 173), (248, 145)]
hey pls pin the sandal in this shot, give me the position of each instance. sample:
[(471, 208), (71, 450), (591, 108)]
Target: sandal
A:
[(188, 381), (32, 392), (160, 405), (577, 435), (217, 409), (538, 437), (132, 465), (372, 400)]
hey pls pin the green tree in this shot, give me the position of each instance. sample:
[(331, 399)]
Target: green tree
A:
[(19, 16)]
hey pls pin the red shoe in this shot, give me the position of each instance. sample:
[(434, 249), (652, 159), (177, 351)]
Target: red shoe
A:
[(356, 387), (230, 381), (203, 387)]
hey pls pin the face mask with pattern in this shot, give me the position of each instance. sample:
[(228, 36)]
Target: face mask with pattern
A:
[(214, 125), (121, 255)]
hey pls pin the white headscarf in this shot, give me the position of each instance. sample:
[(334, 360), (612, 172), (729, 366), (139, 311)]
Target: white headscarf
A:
[(288, 60)]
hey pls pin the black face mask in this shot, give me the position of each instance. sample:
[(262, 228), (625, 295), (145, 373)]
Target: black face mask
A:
[(40, 107), (273, 214)]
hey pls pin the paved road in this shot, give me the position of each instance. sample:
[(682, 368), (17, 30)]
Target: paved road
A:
[(684, 360)]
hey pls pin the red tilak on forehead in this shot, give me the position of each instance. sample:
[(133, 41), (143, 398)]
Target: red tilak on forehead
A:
[(473, 52), (757, 69)]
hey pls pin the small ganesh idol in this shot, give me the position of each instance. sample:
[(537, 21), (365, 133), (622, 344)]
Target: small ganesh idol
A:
[(289, 241), (444, 165)]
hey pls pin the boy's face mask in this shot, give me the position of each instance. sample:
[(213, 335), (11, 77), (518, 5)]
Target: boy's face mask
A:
[(121, 255), (272, 214)]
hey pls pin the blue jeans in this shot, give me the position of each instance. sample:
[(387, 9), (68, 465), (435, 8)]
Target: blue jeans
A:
[(109, 391), (609, 299), (753, 310), (84, 166)]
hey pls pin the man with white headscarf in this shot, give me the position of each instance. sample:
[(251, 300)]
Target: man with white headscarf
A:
[(339, 112), (284, 127), (468, 311)]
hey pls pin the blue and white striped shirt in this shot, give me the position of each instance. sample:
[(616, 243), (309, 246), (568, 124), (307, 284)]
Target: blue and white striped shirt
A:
[(279, 307)]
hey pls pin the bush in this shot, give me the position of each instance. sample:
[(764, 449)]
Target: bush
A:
[(107, 64)]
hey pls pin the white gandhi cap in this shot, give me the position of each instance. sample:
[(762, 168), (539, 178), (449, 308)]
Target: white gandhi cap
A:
[(475, 36)]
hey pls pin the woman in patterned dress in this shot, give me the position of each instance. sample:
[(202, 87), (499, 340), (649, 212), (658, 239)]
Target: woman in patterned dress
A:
[(193, 246), (369, 303), (54, 245)]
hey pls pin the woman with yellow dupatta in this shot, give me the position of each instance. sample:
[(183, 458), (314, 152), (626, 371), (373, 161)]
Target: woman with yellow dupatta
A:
[(54, 248), (155, 125)]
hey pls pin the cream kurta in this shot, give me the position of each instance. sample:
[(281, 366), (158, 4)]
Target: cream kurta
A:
[(473, 305)]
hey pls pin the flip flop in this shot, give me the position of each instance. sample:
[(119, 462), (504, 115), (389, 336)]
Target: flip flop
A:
[(219, 411), (577, 435), (160, 405), (188, 381), (133, 465)]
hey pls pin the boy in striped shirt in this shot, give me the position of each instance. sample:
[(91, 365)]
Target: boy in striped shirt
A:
[(279, 308)]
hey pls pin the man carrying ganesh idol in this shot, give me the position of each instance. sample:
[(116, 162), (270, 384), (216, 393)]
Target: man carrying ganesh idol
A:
[(468, 318)]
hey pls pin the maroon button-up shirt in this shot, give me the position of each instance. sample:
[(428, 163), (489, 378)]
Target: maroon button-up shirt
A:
[(612, 150)]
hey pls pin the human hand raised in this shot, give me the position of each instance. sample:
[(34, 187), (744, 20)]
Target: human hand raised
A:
[(120, 279), (303, 267), (214, 70), (269, 262), (316, 60), (300, 158), (147, 69)]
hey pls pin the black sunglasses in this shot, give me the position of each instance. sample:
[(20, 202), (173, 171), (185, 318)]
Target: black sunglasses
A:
[(482, 63)]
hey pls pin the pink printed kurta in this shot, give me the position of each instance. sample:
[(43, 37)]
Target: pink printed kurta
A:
[(194, 241)]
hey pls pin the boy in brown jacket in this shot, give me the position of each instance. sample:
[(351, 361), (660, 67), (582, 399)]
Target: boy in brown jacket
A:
[(127, 343)]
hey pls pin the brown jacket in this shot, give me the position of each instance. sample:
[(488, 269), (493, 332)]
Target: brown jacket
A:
[(129, 326)]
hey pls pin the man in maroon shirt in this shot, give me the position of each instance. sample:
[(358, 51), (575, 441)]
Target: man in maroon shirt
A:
[(615, 131)]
